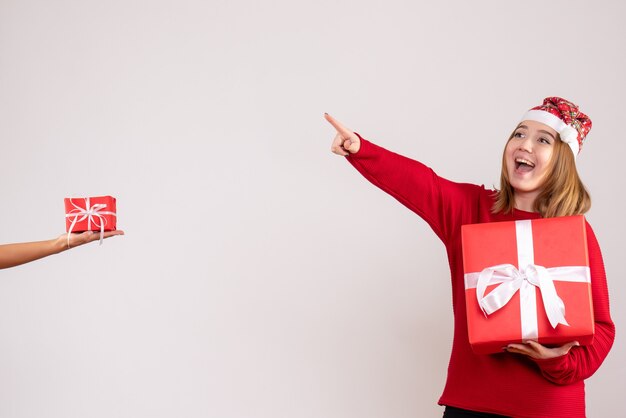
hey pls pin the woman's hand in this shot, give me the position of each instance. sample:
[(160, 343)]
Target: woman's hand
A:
[(345, 142), (76, 239), (541, 352)]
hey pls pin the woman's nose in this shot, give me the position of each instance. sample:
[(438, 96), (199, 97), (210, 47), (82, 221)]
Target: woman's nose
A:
[(526, 145)]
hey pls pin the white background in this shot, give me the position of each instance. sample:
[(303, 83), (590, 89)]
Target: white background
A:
[(260, 275)]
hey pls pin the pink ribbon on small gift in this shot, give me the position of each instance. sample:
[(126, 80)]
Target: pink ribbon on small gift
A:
[(94, 215), (525, 279)]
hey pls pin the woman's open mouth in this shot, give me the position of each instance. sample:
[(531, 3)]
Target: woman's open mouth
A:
[(523, 165)]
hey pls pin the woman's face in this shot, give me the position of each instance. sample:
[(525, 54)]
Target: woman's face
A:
[(527, 157)]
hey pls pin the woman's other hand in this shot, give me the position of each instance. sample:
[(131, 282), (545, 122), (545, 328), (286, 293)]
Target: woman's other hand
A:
[(541, 352)]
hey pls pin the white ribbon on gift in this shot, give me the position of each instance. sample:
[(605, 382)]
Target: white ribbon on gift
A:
[(525, 279), (94, 214)]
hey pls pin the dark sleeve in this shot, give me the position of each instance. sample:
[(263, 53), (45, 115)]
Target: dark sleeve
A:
[(443, 204), (582, 362)]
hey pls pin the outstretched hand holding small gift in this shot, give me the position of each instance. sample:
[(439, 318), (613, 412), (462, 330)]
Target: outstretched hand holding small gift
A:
[(12, 255), (93, 215)]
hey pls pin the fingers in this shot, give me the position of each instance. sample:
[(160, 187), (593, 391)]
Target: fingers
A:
[(79, 238), (95, 235), (520, 349), (552, 352), (341, 130), (339, 145), (535, 350), (108, 234)]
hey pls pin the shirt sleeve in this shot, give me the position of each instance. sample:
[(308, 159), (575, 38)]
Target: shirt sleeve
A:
[(443, 204), (582, 362)]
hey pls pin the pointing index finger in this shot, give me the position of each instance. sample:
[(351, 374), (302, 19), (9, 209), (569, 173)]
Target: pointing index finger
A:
[(342, 130)]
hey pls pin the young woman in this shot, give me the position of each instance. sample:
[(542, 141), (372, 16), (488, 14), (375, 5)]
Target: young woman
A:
[(538, 179), (12, 255)]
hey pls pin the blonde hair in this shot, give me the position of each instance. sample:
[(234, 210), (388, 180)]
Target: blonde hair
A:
[(563, 194)]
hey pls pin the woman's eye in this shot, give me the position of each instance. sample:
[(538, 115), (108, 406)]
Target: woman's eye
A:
[(518, 134), (544, 141)]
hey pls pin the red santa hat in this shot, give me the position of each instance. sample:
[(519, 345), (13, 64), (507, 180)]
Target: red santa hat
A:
[(564, 117)]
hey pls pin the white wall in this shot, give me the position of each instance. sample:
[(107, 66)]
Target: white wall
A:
[(261, 276)]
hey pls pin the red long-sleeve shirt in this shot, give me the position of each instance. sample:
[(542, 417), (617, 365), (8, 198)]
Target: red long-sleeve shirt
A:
[(504, 383)]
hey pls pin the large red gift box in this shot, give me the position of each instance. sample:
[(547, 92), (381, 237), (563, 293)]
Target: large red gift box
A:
[(90, 214), (527, 280)]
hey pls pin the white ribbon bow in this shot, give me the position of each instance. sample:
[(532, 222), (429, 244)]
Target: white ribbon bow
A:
[(525, 281), (94, 214)]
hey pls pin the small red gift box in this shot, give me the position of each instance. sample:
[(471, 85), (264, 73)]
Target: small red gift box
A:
[(527, 280), (90, 214)]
